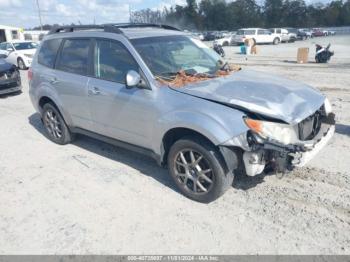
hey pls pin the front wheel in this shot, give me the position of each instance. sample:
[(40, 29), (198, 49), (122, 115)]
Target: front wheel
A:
[(197, 169), (276, 41)]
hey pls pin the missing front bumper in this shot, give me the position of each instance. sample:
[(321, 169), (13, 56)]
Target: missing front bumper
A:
[(272, 156)]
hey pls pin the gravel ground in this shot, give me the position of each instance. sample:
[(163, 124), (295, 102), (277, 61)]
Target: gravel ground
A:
[(91, 197)]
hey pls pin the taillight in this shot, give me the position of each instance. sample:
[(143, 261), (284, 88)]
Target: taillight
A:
[(30, 74)]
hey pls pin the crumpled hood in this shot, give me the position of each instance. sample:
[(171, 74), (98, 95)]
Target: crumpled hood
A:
[(261, 93)]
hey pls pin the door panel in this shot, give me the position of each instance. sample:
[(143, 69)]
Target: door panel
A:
[(70, 80), (121, 113), (72, 90), (117, 111)]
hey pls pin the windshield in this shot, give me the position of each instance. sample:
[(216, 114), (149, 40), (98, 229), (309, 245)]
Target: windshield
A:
[(168, 55), (25, 45)]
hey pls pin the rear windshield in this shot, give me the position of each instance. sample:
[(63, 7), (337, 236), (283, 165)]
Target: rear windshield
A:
[(25, 45)]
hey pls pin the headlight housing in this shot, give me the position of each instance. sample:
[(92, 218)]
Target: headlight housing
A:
[(28, 55), (283, 133)]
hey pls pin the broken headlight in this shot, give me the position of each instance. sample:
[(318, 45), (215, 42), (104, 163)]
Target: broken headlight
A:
[(282, 133), (327, 106)]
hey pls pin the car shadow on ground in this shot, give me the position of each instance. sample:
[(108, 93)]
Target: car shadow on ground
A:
[(244, 182), (143, 164), (3, 96), (342, 129)]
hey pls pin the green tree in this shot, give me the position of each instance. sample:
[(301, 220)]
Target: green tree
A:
[(273, 13), (294, 13)]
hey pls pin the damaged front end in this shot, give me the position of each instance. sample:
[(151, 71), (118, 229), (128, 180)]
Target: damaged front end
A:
[(278, 147)]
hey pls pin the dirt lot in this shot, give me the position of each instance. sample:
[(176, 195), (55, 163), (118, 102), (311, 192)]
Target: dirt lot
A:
[(90, 197)]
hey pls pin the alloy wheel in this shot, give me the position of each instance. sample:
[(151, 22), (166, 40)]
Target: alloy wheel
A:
[(193, 172), (53, 124)]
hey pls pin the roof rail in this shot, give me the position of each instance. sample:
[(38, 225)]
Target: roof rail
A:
[(72, 28), (134, 25), (112, 28)]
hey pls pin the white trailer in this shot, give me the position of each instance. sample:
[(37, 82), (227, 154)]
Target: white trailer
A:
[(9, 33), (34, 35)]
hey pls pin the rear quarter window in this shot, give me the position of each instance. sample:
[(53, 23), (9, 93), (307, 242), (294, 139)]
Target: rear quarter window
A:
[(48, 52)]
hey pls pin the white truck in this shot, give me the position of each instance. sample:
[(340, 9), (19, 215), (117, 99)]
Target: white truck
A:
[(259, 36)]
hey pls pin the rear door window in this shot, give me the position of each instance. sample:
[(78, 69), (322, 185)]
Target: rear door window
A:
[(48, 52), (249, 32), (73, 57), (112, 61)]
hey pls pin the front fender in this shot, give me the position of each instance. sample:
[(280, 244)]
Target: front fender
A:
[(217, 125)]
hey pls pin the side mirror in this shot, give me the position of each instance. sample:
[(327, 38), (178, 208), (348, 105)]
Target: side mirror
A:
[(132, 78)]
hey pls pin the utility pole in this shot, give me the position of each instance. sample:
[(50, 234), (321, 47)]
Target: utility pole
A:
[(130, 13), (39, 13)]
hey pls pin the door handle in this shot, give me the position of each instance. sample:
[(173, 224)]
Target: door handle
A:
[(94, 91)]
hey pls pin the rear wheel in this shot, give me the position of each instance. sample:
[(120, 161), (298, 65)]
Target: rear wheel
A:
[(196, 167), (276, 41), (55, 127)]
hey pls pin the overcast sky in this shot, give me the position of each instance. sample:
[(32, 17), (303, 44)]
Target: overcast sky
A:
[(24, 13)]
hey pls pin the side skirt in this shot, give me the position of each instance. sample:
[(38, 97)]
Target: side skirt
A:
[(118, 143)]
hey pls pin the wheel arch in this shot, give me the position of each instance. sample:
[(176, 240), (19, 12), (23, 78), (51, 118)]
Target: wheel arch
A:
[(228, 155), (175, 134), (44, 99)]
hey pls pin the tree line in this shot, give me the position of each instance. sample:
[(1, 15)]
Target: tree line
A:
[(231, 15)]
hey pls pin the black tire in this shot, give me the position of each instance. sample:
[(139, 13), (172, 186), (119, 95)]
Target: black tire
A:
[(21, 65), (211, 160), (62, 137), (276, 41), (225, 44)]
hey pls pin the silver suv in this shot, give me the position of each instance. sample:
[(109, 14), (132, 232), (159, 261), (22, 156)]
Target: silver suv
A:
[(155, 90)]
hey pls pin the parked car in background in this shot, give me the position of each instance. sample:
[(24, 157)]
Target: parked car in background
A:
[(292, 34), (209, 36), (317, 32), (304, 33), (226, 41), (325, 32), (19, 53), (201, 36), (332, 32), (10, 79), (259, 36), (281, 35)]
